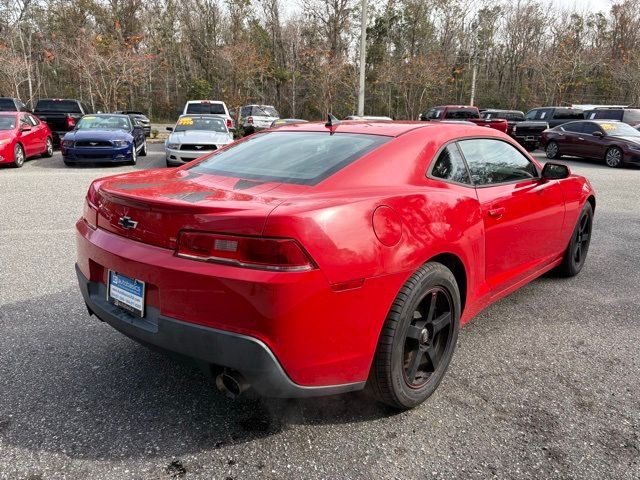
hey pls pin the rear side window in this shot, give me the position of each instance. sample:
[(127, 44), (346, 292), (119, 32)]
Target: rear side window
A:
[(206, 108), (450, 166), (64, 106), (7, 105), (568, 114), (434, 114), (493, 161), (573, 127), (304, 158), (632, 116)]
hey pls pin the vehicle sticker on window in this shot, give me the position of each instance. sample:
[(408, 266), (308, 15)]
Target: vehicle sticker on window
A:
[(608, 126), (90, 118), (185, 121)]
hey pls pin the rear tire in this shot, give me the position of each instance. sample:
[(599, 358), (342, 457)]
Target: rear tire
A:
[(576, 253), (48, 150), (418, 338), (613, 157), (18, 156), (553, 151)]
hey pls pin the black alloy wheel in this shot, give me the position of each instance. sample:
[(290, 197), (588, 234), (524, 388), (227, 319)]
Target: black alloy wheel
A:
[(427, 337), (576, 252), (418, 338)]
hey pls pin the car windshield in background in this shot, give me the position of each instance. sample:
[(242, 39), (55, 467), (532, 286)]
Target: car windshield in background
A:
[(615, 129), (201, 123), (304, 158), (461, 114), (7, 104), (7, 122), (206, 108), (65, 106), (265, 111), (106, 122)]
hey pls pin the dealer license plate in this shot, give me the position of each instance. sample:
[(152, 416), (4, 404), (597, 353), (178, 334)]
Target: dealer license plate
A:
[(126, 293)]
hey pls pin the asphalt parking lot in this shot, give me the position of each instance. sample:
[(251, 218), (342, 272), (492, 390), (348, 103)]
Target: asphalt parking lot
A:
[(544, 384)]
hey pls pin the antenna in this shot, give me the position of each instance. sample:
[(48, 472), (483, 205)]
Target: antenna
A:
[(332, 121)]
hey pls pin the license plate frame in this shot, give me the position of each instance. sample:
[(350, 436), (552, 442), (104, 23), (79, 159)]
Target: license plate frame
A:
[(126, 292)]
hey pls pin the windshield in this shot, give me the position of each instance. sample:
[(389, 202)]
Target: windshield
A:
[(619, 130), (7, 122), (206, 108), (104, 122), (304, 158), (65, 106), (7, 104), (212, 124)]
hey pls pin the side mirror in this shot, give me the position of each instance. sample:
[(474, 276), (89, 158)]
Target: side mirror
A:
[(555, 171), (598, 133), (25, 128), (169, 129)]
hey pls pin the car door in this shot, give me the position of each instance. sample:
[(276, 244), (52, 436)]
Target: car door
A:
[(569, 138), (28, 136), (522, 213), (590, 145), (40, 133)]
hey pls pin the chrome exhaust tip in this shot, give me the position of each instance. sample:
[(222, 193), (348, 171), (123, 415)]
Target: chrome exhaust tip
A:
[(232, 384)]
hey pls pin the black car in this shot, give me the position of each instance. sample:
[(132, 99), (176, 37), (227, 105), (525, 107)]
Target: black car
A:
[(8, 104), (513, 117), (628, 115), (536, 121), (61, 115), (139, 118), (616, 143)]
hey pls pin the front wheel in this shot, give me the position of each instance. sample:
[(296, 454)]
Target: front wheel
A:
[(134, 155), (48, 150), (143, 150), (552, 150), (576, 253), (18, 156), (418, 338), (613, 157)]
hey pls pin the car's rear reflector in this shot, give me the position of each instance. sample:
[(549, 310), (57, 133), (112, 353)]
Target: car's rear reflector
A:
[(277, 254)]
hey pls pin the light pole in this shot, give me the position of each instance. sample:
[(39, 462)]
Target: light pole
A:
[(474, 73), (363, 58)]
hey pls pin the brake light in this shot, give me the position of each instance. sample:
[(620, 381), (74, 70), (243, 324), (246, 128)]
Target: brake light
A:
[(229, 123), (250, 120), (90, 210), (71, 122), (277, 254)]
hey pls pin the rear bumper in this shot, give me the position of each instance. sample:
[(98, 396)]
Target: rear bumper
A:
[(248, 355)]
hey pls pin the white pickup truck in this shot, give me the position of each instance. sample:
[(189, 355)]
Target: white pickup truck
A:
[(209, 107)]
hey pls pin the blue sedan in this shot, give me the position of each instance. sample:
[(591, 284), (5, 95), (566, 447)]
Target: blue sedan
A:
[(104, 138)]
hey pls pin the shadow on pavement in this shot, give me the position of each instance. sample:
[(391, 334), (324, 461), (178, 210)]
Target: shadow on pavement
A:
[(71, 384)]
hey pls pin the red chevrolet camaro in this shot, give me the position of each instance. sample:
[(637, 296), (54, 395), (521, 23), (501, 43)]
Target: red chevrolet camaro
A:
[(316, 259), (22, 136)]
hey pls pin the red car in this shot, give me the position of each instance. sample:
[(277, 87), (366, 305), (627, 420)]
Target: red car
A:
[(22, 136), (312, 259)]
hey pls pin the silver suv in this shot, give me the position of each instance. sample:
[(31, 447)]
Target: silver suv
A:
[(257, 117)]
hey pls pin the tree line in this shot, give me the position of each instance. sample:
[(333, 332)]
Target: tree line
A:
[(302, 57)]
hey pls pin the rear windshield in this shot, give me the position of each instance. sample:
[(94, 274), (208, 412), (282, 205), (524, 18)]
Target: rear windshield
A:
[(7, 105), (304, 158), (264, 111), (7, 122), (206, 108), (461, 113), (65, 106)]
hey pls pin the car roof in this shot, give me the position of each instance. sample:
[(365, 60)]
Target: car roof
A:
[(206, 115), (386, 128), (205, 101)]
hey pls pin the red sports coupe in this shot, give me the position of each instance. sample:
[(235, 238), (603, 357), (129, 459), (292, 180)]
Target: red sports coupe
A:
[(317, 259), (22, 136)]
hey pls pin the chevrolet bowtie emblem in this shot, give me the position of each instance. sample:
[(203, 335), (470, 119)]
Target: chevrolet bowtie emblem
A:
[(126, 223)]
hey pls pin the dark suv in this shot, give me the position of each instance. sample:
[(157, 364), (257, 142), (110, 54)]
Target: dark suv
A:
[(8, 104), (630, 116), (536, 121)]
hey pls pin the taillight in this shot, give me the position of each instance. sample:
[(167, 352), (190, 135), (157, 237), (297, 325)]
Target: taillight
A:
[(71, 122), (250, 120), (90, 210), (277, 254), (229, 123)]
